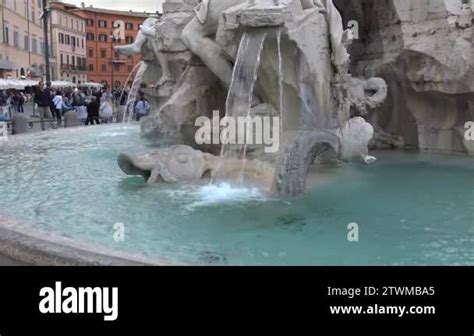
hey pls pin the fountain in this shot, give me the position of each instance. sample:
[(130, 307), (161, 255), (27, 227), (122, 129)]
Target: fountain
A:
[(284, 68), (261, 81)]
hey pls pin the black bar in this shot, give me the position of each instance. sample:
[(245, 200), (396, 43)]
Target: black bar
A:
[(155, 299)]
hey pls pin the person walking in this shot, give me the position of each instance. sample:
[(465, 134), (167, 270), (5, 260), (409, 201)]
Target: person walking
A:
[(59, 106), (21, 102), (106, 112), (142, 108), (93, 112), (43, 99)]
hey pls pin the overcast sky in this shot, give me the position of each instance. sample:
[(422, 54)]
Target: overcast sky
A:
[(136, 5)]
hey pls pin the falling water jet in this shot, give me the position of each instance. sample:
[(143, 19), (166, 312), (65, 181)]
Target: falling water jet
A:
[(280, 80), (132, 73), (132, 96), (260, 40), (240, 96)]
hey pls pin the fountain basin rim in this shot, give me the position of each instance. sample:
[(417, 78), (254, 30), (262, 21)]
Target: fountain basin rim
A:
[(37, 250), (12, 139)]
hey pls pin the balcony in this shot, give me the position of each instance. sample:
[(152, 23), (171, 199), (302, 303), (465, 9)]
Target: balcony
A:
[(73, 68)]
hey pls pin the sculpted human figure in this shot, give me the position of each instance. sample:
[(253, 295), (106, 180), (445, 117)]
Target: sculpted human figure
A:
[(199, 33), (146, 36)]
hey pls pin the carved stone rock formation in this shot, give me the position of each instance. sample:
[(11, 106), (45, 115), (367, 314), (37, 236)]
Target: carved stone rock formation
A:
[(176, 164), (424, 50)]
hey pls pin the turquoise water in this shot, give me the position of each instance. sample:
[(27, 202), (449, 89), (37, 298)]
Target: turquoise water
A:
[(411, 209)]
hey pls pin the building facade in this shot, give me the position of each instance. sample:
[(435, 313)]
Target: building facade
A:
[(68, 44), (21, 39), (104, 65)]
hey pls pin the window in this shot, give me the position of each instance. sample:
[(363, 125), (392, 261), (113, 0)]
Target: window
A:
[(82, 43), (89, 22), (34, 45), (103, 38), (67, 59), (117, 67), (61, 38), (33, 16), (129, 26), (91, 52), (102, 24), (68, 40), (103, 53), (91, 67), (129, 39), (26, 44), (6, 36), (104, 68), (90, 37), (16, 39), (73, 41), (60, 20), (61, 57), (42, 48)]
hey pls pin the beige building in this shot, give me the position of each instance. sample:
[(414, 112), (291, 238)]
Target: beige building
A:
[(68, 44), (21, 39)]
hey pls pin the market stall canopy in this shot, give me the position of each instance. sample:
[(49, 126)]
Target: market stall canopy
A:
[(16, 84), (62, 84), (7, 65)]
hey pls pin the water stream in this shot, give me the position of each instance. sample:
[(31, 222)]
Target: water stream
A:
[(280, 81), (132, 95), (240, 96)]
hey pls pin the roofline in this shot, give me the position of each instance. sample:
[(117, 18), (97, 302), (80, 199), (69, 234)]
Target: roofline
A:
[(65, 10), (113, 12)]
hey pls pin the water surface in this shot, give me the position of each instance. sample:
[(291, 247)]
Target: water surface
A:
[(411, 209)]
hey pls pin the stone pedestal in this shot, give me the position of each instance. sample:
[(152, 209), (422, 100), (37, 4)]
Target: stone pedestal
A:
[(19, 124), (71, 119)]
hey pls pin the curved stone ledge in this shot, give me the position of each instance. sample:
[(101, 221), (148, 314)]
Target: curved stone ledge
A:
[(35, 251)]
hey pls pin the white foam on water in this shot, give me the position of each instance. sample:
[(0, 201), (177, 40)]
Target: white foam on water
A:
[(112, 134), (223, 193)]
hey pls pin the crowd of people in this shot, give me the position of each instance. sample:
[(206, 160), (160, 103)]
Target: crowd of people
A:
[(15, 100), (92, 106)]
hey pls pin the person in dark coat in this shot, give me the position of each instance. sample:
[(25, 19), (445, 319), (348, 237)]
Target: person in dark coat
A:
[(43, 100), (93, 112)]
